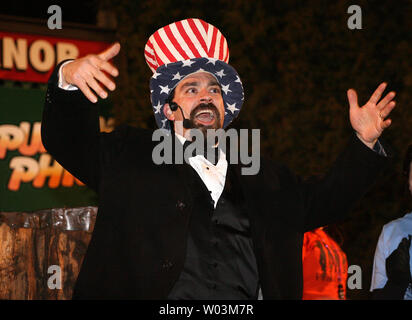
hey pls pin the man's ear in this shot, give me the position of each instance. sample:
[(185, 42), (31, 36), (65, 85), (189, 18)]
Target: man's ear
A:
[(168, 113)]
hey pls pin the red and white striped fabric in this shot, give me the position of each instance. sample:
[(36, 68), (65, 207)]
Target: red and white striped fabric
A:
[(184, 40)]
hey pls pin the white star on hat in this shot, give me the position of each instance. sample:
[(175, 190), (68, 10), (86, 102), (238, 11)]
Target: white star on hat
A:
[(158, 107), (238, 80), (165, 89), (212, 60), (177, 76), (232, 107), (226, 88), (155, 75), (220, 73), (187, 63)]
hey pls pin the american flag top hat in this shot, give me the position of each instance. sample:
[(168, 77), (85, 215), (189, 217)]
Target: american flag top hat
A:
[(185, 47)]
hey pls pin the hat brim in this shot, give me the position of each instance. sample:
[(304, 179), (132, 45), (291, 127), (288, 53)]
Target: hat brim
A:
[(167, 76)]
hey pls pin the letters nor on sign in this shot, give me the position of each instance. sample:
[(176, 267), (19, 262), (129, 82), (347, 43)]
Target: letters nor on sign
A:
[(41, 55)]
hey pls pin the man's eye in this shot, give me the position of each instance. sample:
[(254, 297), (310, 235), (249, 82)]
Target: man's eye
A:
[(191, 90), (215, 90)]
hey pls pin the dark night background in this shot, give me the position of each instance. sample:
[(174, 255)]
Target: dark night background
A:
[(296, 60)]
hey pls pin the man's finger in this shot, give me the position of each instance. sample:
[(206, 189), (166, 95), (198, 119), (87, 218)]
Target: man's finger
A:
[(386, 123), (92, 83), (106, 66), (352, 98), (378, 93), (105, 80), (86, 91), (387, 109), (386, 100), (109, 53)]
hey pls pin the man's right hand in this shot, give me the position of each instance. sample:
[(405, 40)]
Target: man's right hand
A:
[(87, 73)]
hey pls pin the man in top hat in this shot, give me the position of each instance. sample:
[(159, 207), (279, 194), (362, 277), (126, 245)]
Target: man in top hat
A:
[(197, 230)]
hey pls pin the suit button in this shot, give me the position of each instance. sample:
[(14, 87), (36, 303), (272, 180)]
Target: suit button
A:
[(180, 205), (167, 265)]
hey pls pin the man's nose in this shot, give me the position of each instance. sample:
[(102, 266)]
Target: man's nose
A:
[(205, 96)]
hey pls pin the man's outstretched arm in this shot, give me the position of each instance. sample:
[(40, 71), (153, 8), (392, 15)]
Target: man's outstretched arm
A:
[(70, 124), (356, 169)]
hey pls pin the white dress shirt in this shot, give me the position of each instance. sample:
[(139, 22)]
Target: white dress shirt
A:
[(213, 176), (67, 86)]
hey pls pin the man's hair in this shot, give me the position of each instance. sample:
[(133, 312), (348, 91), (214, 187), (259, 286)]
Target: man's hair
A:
[(171, 96), (169, 100), (407, 161)]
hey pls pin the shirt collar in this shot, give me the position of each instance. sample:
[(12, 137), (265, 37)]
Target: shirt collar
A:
[(222, 155)]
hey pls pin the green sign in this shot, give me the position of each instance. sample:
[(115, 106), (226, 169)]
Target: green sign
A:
[(30, 179)]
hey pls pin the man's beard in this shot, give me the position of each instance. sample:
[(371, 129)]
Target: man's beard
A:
[(203, 107)]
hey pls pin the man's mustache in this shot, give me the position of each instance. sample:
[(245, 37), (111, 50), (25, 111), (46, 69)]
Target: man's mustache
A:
[(203, 107)]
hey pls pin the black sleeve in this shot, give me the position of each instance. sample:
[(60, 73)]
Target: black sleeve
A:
[(328, 199), (71, 134), (391, 291)]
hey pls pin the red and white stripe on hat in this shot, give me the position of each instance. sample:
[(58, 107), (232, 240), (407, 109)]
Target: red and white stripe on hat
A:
[(184, 40)]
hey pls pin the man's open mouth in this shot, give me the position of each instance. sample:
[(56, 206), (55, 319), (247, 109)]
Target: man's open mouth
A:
[(205, 117)]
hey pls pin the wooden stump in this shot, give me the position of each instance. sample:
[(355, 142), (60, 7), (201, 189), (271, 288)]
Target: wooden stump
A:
[(33, 244)]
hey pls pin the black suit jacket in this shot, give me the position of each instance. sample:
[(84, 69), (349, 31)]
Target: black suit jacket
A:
[(138, 246)]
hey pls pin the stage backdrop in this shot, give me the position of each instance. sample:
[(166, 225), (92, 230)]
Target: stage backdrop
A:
[(30, 179)]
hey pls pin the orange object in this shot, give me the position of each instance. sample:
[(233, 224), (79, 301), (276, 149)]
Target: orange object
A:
[(325, 268)]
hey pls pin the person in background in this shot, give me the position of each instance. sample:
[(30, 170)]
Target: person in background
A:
[(391, 275), (325, 267)]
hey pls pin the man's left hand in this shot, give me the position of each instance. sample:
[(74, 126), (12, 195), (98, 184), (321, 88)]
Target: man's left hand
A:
[(369, 121)]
